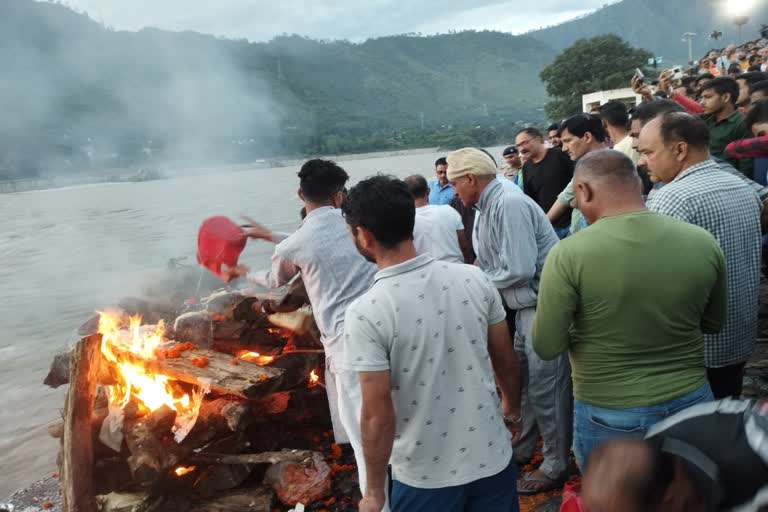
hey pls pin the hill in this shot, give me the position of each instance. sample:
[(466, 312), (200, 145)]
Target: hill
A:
[(657, 26), (83, 96)]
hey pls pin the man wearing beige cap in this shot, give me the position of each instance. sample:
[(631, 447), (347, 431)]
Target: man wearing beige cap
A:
[(513, 237)]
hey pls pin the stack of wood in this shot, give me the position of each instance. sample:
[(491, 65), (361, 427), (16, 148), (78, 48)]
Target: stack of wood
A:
[(257, 415)]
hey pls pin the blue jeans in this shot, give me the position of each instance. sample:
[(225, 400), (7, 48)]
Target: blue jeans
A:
[(594, 425), (563, 232), (497, 493)]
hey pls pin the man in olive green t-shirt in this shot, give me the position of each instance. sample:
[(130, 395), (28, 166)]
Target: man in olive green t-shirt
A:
[(630, 299)]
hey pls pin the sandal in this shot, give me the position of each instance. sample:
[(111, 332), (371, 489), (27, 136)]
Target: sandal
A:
[(546, 484)]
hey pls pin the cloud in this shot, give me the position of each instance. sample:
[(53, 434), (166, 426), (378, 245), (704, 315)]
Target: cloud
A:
[(331, 19)]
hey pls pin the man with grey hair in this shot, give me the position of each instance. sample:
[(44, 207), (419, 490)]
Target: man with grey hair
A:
[(513, 238), (675, 149), (630, 368)]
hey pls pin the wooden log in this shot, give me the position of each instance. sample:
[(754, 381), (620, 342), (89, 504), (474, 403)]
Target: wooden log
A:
[(217, 418), (258, 499), (302, 456), (297, 365), (245, 380), (58, 375), (150, 441), (299, 406), (77, 447)]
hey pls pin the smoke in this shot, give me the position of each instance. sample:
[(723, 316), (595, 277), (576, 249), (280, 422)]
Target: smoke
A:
[(78, 97)]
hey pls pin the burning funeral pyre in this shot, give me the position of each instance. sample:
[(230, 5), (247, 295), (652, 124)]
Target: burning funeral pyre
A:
[(222, 408)]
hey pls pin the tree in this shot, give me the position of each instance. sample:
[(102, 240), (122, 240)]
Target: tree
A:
[(590, 65)]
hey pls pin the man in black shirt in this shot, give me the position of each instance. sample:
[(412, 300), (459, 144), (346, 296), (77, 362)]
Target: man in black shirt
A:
[(546, 172), (707, 458)]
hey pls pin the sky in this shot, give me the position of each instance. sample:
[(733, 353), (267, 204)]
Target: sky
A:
[(356, 20)]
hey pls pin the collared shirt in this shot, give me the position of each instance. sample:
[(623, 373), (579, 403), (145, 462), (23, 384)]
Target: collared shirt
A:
[(438, 194), (721, 133), (427, 323), (625, 146), (730, 210), (436, 232), (333, 271), (513, 237), (600, 300)]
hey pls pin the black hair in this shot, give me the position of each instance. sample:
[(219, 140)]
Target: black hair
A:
[(320, 179), (384, 206), (681, 126), (533, 132), (441, 161), (733, 69), (757, 114), (723, 85), (759, 86), (417, 186), (753, 77), (614, 113), (645, 112), (581, 124), (702, 77), (553, 126)]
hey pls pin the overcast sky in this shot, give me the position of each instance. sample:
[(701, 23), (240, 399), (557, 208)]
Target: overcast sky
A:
[(260, 20)]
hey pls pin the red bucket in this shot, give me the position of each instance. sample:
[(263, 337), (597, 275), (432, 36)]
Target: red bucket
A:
[(219, 242)]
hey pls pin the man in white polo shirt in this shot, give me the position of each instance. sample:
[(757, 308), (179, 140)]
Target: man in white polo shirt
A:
[(438, 230), (430, 343)]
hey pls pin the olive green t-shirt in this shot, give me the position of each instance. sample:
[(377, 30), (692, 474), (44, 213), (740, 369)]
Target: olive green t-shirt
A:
[(630, 299)]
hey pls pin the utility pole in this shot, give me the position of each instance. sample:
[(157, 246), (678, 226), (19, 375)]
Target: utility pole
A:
[(421, 117), (740, 21), (689, 36)]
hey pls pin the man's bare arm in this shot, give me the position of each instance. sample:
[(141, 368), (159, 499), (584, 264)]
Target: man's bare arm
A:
[(466, 250), (557, 210), (377, 425), (506, 366)]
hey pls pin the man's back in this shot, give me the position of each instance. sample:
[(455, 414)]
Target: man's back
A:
[(435, 232), (333, 271), (729, 209), (643, 286), (426, 322)]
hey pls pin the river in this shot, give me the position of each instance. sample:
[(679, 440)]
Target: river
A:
[(67, 252)]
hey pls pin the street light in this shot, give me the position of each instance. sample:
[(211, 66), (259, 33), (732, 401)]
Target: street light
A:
[(689, 36), (740, 10)]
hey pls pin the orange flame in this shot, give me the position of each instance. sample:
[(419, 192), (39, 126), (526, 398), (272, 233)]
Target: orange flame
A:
[(181, 470), (255, 357), (152, 390), (314, 379)]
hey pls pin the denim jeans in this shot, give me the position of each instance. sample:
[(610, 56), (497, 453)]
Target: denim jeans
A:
[(497, 493), (563, 232), (594, 425)]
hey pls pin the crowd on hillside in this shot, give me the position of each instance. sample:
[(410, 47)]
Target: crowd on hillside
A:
[(598, 292)]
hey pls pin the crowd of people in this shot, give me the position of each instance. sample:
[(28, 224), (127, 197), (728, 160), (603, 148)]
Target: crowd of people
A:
[(598, 292)]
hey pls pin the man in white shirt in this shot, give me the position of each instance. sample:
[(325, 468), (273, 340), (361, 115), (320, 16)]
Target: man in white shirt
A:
[(431, 344), (334, 274), (616, 123), (438, 231)]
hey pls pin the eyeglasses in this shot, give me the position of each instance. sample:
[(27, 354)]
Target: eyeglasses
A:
[(524, 143)]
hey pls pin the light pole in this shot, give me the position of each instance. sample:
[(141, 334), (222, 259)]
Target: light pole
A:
[(740, 21), (689, 36)]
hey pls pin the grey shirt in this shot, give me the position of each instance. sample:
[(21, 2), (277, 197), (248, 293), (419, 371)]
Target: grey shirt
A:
[(513, 237)]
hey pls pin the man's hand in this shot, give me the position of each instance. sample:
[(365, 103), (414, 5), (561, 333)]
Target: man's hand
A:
[(665, 81), (513, 420), (234, 272), (643, 90), (255, 230), (764, 217), (371, 504)]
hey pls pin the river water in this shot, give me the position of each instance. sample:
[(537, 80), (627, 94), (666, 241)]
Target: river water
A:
[(66, 252)]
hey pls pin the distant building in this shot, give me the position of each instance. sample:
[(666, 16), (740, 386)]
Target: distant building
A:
[(595, 99)]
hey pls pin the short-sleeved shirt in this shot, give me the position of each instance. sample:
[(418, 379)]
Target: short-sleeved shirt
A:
[(436, 232), (438, 194), (544, 180), (427, 323)]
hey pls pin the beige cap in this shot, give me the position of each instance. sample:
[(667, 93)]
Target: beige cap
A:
[(469, 161)]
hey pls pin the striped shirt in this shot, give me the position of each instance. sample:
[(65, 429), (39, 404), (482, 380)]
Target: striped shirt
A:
[(729, 209)]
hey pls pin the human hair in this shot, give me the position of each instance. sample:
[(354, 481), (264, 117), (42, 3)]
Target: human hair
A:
[(759, 86), (614, 113), (581, 124), (702, 77), (733, 70), (384, 206), (645, 112), (530, 130), (441, 161), (608, 164), (723, 85), (757, 114), (417, 186), (553, 126), (320, 179), (682, 126), (753, 77)]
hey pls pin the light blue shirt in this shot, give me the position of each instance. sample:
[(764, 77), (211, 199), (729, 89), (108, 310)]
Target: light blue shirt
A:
[(440, 195)]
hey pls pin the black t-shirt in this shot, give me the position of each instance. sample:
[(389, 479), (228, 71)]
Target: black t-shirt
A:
[(543, 181), (724, 448)]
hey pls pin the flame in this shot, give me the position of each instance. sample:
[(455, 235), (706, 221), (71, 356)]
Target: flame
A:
[(255, 357), (181, 470), (152, 390), (314, 378)]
